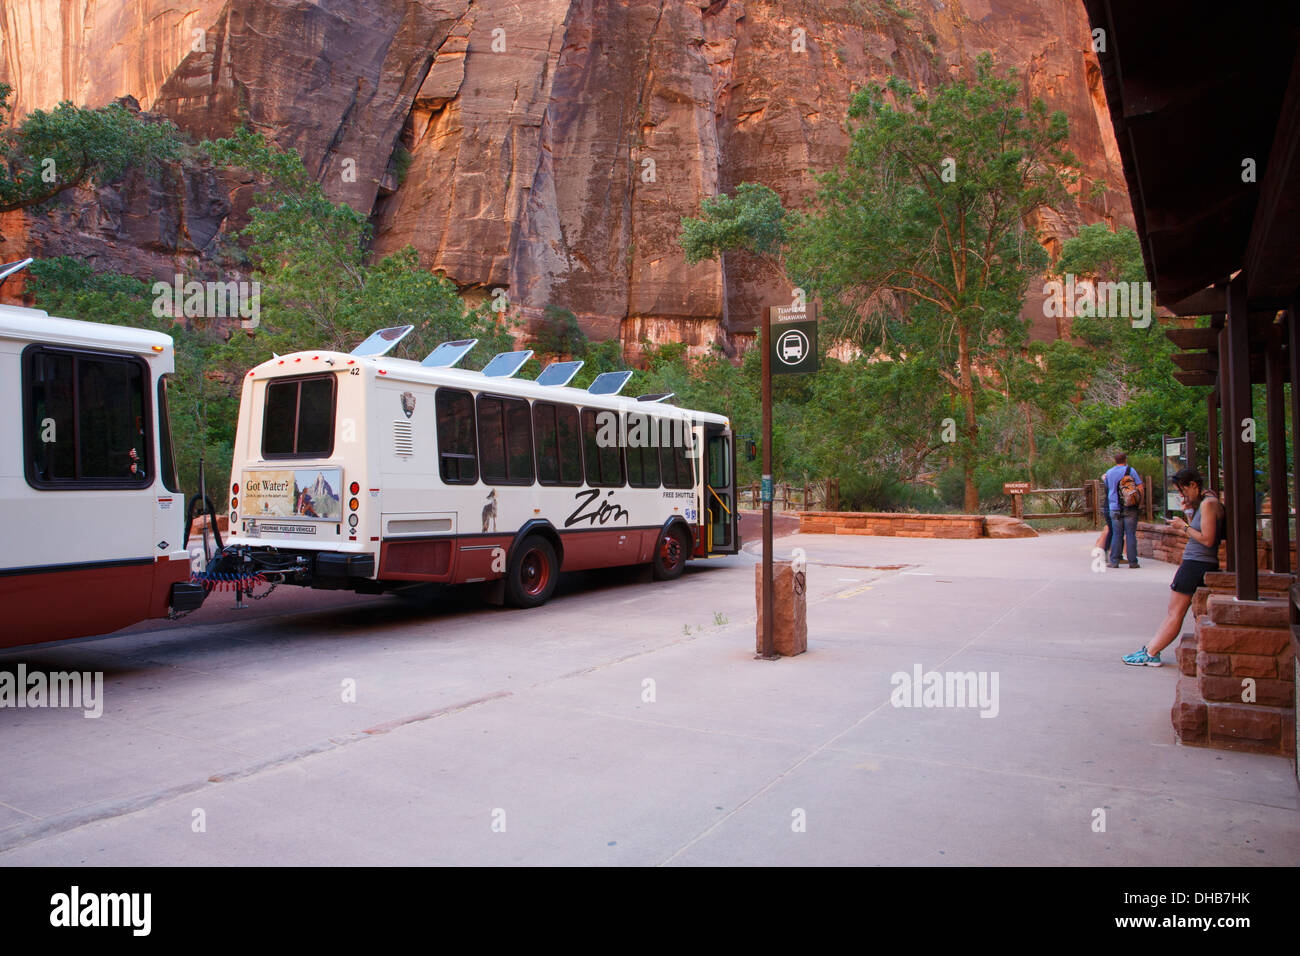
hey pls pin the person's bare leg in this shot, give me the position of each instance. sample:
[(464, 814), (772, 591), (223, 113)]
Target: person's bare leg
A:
[(1173, 622)]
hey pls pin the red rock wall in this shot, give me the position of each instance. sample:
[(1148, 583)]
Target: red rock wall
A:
[(529, 125)]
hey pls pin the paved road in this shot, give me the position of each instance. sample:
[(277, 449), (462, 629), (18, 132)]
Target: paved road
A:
[(627, 723)]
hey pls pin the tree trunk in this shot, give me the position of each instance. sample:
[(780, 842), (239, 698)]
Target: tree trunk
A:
[(972, 500), (1033, 446)]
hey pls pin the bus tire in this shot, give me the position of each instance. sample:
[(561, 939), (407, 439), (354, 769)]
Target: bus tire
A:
[(671, 551), (532, 573)]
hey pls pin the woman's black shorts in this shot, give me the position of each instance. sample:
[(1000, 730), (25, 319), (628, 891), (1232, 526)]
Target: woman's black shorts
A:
[(1191, 575)]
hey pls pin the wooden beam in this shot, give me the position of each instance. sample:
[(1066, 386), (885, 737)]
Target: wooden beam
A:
[(1241, 457), (1196, 361), (1194, 338), (1204, 302)]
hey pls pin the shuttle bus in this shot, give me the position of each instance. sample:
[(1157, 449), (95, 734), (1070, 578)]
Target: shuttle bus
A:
[(367, 472), (91, 514)]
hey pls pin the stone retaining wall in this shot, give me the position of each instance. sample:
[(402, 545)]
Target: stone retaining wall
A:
[(1163, 543), (891, 524)]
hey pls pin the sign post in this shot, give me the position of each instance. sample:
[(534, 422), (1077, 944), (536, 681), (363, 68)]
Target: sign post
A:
[(789, 347), (1016, 489)]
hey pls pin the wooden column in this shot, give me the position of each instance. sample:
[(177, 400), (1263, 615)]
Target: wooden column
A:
[(1212, 433), (1224, 389), (1275, 412), (1293, 360), (1239, 456)]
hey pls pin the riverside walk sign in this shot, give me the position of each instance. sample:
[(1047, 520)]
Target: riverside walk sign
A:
[(789, 348)]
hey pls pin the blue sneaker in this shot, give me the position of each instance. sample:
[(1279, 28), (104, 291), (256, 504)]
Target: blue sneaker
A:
[(1142, 658)]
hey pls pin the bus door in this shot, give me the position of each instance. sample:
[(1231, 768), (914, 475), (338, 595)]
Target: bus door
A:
[(720, 517)]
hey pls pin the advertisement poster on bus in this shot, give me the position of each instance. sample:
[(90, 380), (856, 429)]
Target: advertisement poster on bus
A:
[(304, 493)]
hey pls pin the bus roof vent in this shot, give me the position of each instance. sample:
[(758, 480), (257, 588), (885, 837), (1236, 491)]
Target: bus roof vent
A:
[(656, 397), (449, 353), (383, 341), (506, 364), (559, 373), (608, 383)]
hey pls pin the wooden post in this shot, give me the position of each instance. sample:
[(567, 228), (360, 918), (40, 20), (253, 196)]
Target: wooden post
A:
[(1212, 477), (1241, 461), (1275, 402), (1293, 356), (1224, 389), (1150, 498), (768, 651)]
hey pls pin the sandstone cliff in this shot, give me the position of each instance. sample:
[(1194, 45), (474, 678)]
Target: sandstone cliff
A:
[(548, 147)]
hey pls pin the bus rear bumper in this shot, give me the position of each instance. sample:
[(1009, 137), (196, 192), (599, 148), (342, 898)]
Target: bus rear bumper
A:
[(335, 570)]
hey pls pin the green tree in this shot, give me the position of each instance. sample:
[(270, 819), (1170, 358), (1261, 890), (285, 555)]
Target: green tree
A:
[(1111, 385), (751, 220), (919, 239), (53, 151)]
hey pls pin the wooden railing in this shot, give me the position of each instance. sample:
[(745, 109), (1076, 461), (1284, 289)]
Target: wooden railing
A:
[(1082, 502)]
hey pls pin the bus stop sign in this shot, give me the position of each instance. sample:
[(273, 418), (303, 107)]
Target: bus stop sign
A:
[(794, 347)]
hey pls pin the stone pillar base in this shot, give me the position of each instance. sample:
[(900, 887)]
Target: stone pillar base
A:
[(789, 607), (1237, 685)]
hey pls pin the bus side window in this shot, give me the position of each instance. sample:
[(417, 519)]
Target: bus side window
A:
[(604, 464), (88, 419), (642, 452), (555, 431), (457, 455), (505, 438), (570, 446), (675, 454)]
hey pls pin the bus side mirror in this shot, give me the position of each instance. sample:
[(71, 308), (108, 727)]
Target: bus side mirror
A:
[(751, 449)]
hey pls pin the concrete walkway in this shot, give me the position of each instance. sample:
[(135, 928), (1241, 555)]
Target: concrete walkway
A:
[(627, 723)]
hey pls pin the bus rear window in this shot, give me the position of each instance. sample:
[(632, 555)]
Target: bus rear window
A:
[(299, 418)]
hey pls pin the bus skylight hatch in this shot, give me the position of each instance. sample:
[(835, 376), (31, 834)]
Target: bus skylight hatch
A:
[(608, 383), (507, 364), (656, 397), (382, 342), (448, 354), (559, 373)]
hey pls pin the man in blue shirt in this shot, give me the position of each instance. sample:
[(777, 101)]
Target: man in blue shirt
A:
[(1123, 519)]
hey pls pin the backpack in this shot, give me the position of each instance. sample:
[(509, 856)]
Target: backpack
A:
[(1130, 495)]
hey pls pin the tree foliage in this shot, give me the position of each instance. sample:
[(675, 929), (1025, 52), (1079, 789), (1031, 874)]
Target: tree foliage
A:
[(918, 241), (53, 151)]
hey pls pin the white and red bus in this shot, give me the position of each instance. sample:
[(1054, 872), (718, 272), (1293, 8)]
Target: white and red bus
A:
[(91, 514), (366, 472)]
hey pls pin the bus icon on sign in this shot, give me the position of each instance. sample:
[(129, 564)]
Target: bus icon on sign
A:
[(792, 346)]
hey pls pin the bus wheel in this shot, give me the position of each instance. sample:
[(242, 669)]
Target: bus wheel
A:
[(670, 555), (533, 572)]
